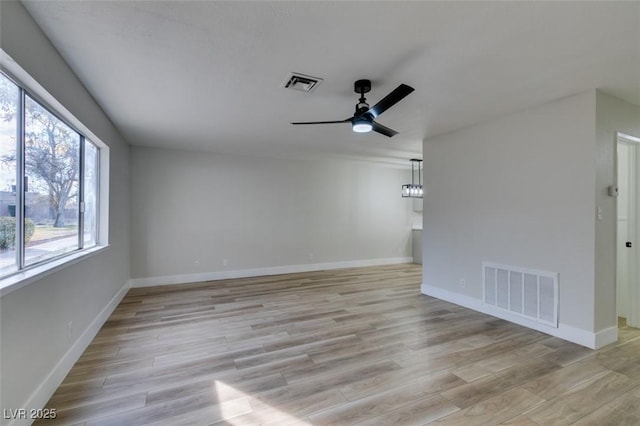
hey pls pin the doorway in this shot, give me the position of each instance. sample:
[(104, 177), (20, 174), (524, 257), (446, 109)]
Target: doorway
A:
[(628, 231)]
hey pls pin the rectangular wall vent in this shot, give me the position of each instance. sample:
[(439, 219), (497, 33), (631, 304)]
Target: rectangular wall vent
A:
[(302, 82), (525, 292)]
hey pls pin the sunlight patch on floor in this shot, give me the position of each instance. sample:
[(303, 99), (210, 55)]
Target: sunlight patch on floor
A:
[(261, 413)]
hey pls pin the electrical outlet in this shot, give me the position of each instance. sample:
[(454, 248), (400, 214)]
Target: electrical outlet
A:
[(196, 263), (463, 283), (225, 262)]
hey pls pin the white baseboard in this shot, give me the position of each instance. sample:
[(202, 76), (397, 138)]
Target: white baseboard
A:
[(566, 332), (43, 393), (606, 337), (258, 272)]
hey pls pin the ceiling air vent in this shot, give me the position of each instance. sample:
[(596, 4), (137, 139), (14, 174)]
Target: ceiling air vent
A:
[(302, 82)]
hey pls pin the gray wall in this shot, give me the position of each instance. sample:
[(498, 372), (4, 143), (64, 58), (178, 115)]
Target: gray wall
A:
[(261, 212), (34, 318), (518, 191), (612, 115), (524, 190)]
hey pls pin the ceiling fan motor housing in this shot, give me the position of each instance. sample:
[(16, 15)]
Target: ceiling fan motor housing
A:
[(361, 110)]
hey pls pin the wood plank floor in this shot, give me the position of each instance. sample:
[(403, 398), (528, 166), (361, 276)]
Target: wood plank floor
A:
[(353, 346)]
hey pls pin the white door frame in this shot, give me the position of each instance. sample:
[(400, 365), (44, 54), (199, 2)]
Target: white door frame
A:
[(633, 289)]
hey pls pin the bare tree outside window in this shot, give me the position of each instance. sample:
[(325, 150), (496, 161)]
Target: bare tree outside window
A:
[(52, 170), (52, 157)]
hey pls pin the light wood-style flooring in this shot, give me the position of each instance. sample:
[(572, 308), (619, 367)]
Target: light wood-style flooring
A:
[(352, 346)]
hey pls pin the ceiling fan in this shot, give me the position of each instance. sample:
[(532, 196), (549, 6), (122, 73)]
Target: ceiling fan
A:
[(363, 119)]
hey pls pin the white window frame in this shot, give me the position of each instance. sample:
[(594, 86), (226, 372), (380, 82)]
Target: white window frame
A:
[(37, 271)]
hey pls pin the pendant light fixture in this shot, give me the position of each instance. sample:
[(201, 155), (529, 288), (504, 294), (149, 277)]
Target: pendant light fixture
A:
[(413, 190)]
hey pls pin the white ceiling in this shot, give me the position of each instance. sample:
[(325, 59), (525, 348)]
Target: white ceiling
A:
[(208, 75)]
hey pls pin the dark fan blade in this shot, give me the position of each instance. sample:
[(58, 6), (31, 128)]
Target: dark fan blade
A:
[(390, 100), (383, 130), (348, 120)]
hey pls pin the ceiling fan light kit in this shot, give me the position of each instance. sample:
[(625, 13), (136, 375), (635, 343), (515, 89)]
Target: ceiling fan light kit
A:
[(363, 120), (361, 125)]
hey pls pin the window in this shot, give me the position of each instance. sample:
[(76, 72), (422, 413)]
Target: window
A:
[(49, 176), (9, 100)]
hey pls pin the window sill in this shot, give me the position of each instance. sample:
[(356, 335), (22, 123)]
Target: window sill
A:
[(21, 279)]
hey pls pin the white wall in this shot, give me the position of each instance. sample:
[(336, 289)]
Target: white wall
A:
[(33, 319), (612, 115), (261, 213), (518, 191)]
